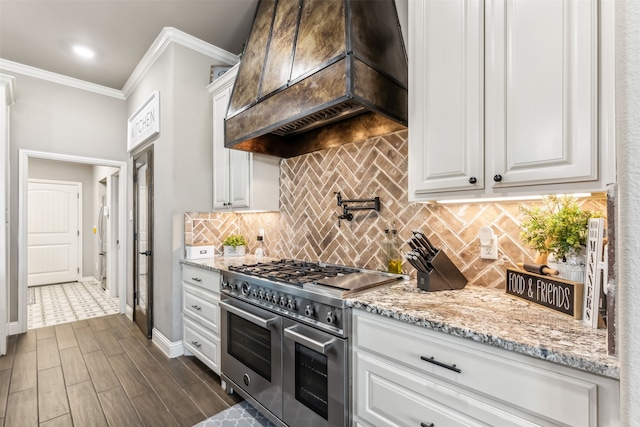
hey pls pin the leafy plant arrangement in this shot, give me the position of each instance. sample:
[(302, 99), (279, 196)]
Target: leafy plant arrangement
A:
[(234, 240), (559, 227)]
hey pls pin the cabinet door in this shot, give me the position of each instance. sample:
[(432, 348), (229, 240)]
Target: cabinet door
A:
[(231, 168), (220, 154), (446, 99), (239, 178), (541, 91)]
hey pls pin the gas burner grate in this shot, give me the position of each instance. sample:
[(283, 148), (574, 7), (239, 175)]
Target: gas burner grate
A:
[(294, 272)]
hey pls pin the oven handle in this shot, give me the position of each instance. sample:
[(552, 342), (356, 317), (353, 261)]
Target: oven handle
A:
[(317, 346), (250, 317)]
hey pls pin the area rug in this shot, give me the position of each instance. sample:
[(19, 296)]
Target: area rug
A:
[(239, 415)]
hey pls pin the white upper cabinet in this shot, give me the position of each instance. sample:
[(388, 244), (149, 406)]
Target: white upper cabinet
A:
[(445, 101), (242, 181), (504, 98)]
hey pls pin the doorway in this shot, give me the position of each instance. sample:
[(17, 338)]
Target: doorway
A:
[(143, 240), (119, 258)]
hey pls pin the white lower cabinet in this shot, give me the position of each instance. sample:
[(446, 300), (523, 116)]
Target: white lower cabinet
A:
[(201, 314), (405, 375)]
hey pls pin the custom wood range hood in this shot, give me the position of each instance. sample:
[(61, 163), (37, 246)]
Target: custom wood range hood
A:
[(318, 74)]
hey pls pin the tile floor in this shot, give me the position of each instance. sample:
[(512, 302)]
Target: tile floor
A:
[(67, 302)]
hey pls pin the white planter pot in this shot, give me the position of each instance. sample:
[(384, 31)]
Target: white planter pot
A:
[(573, 269), (234, 250)]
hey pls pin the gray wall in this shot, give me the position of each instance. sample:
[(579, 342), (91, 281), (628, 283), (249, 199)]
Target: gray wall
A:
[(182, 169), (63, 171), (54, 118)]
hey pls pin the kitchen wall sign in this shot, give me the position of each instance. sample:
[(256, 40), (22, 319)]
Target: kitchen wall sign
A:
[(563, 296), (145, 122)]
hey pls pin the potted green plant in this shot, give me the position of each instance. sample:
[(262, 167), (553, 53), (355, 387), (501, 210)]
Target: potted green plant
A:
[(234, 245), (558, 232)]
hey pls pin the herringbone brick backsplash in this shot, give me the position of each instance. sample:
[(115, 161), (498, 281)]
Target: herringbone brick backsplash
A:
[(307, 226)]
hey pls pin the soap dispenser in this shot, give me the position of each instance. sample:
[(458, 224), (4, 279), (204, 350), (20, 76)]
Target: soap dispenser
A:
[(395, 260)]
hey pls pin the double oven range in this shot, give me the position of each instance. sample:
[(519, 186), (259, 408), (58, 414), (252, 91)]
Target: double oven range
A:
[(285, 338)]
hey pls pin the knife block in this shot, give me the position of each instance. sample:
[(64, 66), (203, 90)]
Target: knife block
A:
[(445, 276)]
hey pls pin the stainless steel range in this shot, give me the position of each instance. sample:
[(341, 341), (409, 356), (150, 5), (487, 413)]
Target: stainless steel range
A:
[(285, 332)]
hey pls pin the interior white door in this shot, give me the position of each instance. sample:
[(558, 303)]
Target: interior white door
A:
[(53, 232)]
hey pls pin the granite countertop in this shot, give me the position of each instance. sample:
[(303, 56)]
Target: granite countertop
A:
[(495, 318), (484, 315)]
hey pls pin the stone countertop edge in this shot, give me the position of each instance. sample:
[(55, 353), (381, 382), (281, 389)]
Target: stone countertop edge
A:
[(488, 316), (493, 317)]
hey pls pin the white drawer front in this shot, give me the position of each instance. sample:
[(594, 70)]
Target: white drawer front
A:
[(201, 306), (203, 345), (390, 396), (206, 279), (543, 392)]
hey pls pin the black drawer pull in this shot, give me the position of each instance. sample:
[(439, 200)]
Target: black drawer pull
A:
[(196, 307), (426, 425), (196, 279), (444, 365), (196, 343)]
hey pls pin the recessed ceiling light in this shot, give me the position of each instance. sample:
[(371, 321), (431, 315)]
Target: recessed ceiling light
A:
[(83, 51)]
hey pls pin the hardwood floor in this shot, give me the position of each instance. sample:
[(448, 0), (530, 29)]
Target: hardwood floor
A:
[(102, 372)]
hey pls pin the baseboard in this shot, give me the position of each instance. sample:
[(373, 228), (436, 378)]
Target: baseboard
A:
[(128, 311), (171, 349), (14, 328)]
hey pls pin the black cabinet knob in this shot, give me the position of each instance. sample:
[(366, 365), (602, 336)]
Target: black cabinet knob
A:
[(472, 180), (497, 178)]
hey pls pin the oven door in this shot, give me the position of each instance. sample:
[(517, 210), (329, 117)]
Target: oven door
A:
[(252, 352), (315, 377)]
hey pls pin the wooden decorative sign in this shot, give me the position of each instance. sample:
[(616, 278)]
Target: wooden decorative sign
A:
[(563, 296)]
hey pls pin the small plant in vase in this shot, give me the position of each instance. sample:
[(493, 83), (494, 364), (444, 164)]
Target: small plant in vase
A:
[(234, 245), (558, 232)]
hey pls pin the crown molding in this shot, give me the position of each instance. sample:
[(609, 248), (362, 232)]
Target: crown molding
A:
[(59, 78), (167, 36), (10, 83)]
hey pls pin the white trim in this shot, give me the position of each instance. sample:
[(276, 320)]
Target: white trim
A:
[(128, 311), (60, 79), (167, 36), (171, 349), (10, 83), (14, 328), (23, 179)]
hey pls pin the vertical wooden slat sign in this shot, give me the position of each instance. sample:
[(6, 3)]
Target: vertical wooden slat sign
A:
[(593, 280)]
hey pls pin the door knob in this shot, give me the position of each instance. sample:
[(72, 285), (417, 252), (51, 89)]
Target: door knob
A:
[(146, 253)]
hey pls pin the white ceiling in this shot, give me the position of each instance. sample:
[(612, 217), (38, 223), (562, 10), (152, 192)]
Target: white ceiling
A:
[(40, 33)]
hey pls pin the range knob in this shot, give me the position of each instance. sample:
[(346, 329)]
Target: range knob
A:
[(274, 299), (261, 295), (225, 284), (330, 317), (291, 305), (254, 293), (245, 288), (283, 302), (232, 286), (308, 311), (267, 296)]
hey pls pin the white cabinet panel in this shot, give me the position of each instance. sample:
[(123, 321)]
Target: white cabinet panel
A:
[(241, 180), (504, 98), (201, 314), (407, 375), (445, 102), (541, 116)]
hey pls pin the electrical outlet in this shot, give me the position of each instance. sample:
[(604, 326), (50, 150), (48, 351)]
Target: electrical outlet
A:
[(490, 251), (488, 243)]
